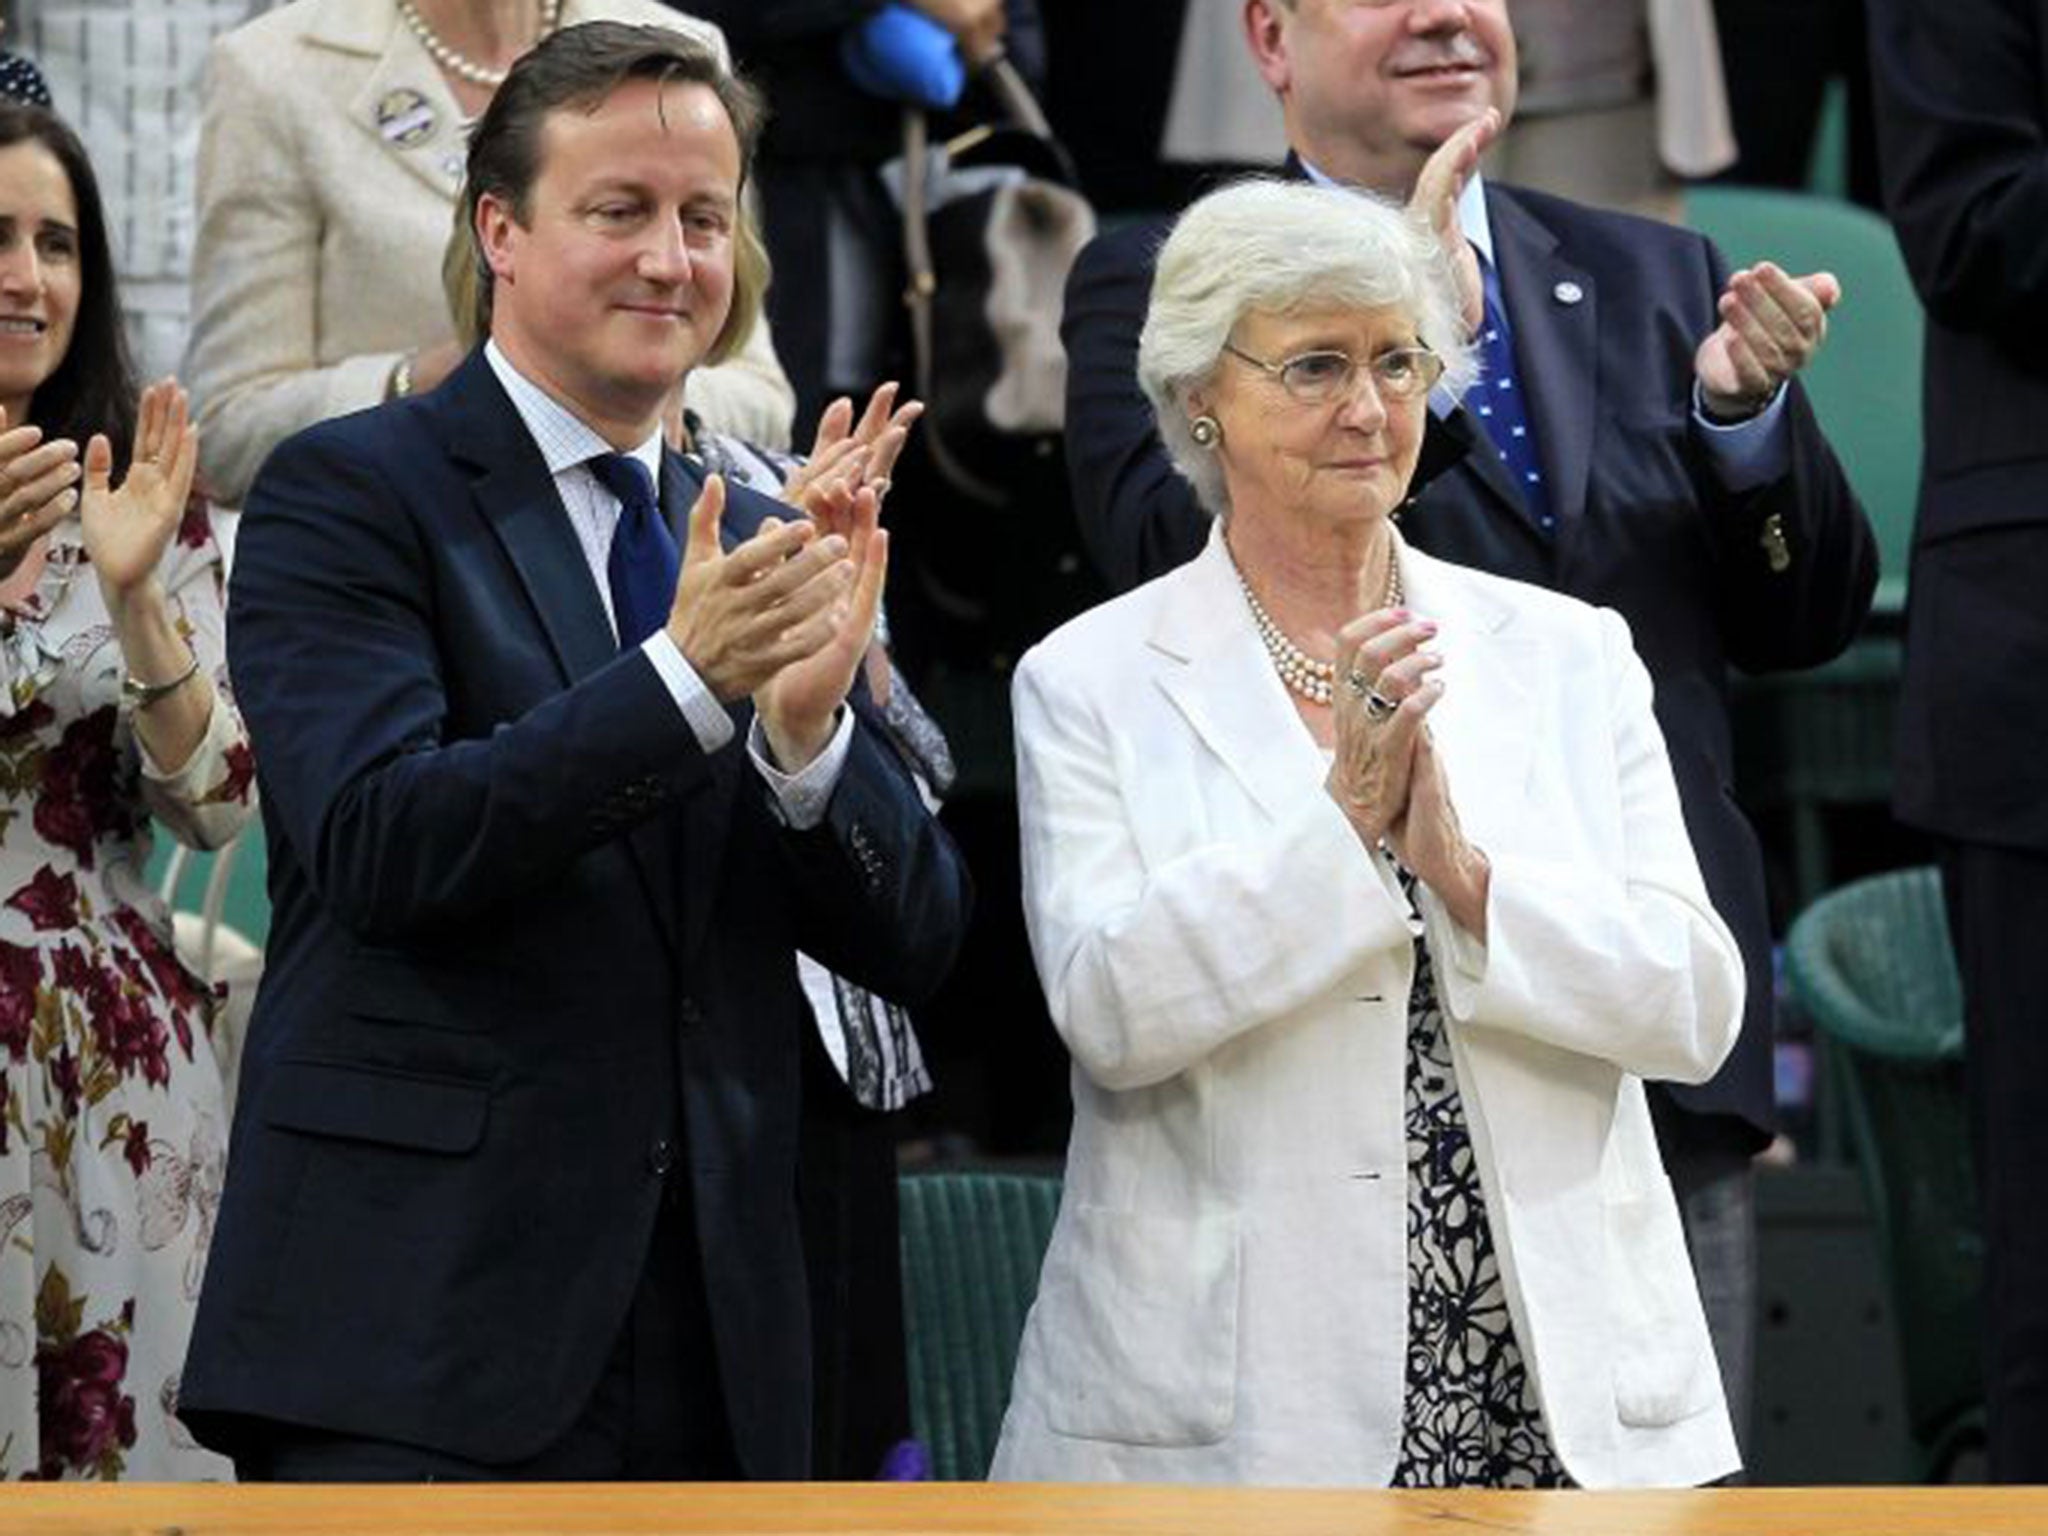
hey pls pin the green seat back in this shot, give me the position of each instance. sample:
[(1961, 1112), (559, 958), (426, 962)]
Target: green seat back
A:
[(972, 1245), (1871, 964), (247, 907), (1865, 380)]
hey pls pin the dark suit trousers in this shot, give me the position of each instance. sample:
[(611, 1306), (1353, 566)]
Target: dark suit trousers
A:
[(657, 1413), (1998, 911)]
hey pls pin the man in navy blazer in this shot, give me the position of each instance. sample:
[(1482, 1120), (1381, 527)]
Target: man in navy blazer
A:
[(1668, 466), (514, 1168), (1962, 91)]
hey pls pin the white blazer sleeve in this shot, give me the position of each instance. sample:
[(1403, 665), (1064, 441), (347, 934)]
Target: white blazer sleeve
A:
[(1630, 964), (1150, 966), (252, 363)]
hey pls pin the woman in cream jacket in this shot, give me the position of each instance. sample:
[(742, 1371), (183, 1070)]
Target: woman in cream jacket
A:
[(1360, 893), (331, 153)]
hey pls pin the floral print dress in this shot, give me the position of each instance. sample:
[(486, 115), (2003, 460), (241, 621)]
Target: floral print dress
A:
[(1471, 1418), (112, 1124)]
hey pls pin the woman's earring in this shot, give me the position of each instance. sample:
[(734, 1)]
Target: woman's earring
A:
[(1206, 432)]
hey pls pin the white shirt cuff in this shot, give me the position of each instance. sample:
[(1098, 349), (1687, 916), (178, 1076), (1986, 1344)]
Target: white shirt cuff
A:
[(804, 795), (1746, 454), (707, 718)]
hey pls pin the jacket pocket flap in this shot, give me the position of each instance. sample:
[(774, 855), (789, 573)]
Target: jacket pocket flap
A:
[(1146, 1353), (329, 1098)]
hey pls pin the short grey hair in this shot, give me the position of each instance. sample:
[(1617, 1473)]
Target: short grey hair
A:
[(1274, 246)]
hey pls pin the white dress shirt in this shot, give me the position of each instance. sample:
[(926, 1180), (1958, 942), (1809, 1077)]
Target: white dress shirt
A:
[(568, 444)]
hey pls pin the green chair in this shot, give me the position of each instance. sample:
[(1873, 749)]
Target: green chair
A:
[(972, 1245), (220, 911), (1871, 964), (1824, 737)]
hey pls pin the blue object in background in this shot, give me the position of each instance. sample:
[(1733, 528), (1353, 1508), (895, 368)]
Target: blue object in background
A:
[(907, 1462), (906, 56)]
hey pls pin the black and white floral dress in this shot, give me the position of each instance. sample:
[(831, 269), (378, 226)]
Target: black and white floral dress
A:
[(1470, 1415)]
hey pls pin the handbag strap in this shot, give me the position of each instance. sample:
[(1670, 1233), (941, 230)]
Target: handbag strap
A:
[(922, 277)]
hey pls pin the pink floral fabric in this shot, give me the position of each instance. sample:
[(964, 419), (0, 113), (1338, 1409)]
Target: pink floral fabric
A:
[(113, 1129)]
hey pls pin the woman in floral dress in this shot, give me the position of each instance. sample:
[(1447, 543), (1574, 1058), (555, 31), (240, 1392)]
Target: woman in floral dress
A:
[(113, 709)]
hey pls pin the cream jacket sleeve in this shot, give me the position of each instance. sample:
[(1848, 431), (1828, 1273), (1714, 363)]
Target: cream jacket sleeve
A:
[(1625, 961)]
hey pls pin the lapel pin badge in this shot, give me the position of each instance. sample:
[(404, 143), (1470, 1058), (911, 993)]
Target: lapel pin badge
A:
[(1568, 293), (405, 117)]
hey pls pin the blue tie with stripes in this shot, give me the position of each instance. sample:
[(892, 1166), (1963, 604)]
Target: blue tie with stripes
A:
[(1497, 400), (643, 565)]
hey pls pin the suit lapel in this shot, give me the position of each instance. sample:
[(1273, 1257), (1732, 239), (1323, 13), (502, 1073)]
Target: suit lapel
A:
[(1225, 685), (707, 813), (404, 105), (516, 499), (1482, 463), (1485, 727), (1553, 310)]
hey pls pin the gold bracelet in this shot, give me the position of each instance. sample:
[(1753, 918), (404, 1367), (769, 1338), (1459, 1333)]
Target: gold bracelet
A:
[(140, 695), (400, 383)]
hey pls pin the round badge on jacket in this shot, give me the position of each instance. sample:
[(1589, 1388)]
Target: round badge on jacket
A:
[(405, 117)]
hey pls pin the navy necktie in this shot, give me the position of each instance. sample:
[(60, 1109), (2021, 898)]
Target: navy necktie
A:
[(1497, 400), (643, 565)]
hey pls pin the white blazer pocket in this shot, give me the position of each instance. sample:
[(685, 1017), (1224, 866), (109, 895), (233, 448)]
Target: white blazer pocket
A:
[(1664, 1368), (1144, 1347)]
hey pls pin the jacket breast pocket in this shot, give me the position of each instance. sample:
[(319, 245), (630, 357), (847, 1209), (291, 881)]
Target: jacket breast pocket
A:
[(1664, 1368), (1144, 1344), (390, 1108)]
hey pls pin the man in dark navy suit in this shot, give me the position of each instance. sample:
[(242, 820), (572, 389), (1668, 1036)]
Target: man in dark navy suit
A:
[(1639, 440), (551, 805), (1962, 87)]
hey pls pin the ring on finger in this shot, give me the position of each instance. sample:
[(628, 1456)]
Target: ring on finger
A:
[(1378, 707)]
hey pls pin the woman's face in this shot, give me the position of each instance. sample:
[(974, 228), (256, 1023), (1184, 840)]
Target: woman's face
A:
[(1344, 459), (39, 267)]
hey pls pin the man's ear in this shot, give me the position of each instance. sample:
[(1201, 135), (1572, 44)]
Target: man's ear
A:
[(1265, 33), (495, 224)]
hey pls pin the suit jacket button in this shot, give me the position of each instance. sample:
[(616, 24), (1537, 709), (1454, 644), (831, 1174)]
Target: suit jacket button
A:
[(689, 1013), (661, 1157)]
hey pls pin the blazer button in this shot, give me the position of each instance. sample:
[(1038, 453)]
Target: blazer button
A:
[(689, 1014), (661, 1157)]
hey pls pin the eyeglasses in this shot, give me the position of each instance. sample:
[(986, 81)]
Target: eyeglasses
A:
[(1317, 378)]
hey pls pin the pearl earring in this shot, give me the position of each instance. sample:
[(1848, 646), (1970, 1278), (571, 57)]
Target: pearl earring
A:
[(1206, 432)]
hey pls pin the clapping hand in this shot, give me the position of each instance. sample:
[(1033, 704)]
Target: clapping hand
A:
[(1771, 325), (127, 530), (977, 25), (1430, 844), (799, 703), (1435, 203), (37, 488), (846, 456), (1379, 699), (784, 616)]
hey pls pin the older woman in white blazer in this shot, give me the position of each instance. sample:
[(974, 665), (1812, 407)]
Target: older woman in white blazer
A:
[(331, 151), (1360, 894)]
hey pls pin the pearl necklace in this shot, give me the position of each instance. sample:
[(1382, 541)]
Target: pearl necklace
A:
[(1300, 671), (461, 64)]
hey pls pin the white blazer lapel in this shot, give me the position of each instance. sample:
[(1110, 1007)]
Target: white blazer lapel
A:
[(403, 104), (1485, 726), (1219, 677)]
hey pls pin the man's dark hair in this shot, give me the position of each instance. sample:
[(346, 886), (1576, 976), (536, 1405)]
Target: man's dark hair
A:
[(93, 387), (579, 68)]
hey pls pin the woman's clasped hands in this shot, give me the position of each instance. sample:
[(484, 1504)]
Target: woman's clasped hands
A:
[(1385, 773)]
